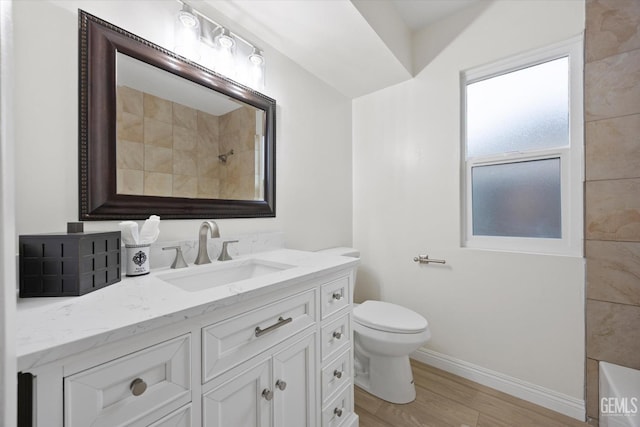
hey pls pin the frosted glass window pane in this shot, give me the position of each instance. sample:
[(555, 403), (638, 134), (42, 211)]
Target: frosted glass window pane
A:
[(522, 110), (519, 199)]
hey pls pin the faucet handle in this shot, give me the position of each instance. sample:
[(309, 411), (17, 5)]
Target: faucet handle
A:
[(179, 261), (224, 255)]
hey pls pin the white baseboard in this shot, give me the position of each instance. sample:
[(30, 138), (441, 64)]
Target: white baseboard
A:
[(549, 399)]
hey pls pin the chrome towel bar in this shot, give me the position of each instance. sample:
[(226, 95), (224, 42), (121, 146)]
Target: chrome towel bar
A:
[(424, 259)]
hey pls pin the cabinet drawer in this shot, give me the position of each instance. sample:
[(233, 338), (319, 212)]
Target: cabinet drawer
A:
[(334, 296), (235, 340), (179, 418), (335, 336), (104, 395), (338, 410), (335, 374)]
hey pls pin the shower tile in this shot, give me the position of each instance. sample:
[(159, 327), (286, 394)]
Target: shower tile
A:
[(158, 184), (612, 86), (613, 334), (158, 109), (184, 116), (185, 186), (613, 269), (611, 27), (129, 127), (158, 133), (208, 188), (612, 149), (208, 166), (158, 159), (185, 163), (184, 138), (207, 124), (130, 155), (130, 182), (130, 100), (613, 210)]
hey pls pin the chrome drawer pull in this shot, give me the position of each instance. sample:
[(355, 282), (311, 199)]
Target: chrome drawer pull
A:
[(337, 335), (337, 374), (281, 322), (337, 296), (281, 384), (338, 412), (137, 386), (267, 394)]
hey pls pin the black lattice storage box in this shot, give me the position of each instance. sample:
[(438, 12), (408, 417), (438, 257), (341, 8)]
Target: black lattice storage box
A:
[(68, 264)]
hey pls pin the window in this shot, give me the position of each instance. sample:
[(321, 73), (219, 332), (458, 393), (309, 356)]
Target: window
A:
[(522, 152)]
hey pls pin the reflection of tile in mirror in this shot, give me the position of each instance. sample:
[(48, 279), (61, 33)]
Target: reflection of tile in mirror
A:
[(130, 100), (129, 127), (130, 155), (130, 181), (185, 186), (181, 148), (185, 163), (158, 184), (158, 159), (184, 138), (208, 188), (184, 116), (158, 109), (158, 133)]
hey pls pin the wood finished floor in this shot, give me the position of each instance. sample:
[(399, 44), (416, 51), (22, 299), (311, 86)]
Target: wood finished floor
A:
[(444, 400)]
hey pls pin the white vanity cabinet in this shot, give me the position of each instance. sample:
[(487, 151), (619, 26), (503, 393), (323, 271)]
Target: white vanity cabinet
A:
[(281, 357), (279, 391)]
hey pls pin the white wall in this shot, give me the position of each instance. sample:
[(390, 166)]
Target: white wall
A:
[(8, 399), (313, 131), (519, 315)]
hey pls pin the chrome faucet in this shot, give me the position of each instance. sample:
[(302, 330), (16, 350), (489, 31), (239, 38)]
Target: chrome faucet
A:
[(207, 227)]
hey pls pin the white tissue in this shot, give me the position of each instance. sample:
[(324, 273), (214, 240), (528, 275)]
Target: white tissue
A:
[(148, 234)]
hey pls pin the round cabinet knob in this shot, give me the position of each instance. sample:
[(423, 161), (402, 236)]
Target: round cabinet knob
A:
[(337, 296), (267, 394), (337, 335), (337, 374), (338, 411), (281, 384), (137, 386)]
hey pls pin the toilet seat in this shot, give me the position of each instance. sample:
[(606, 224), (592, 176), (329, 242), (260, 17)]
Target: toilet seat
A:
[(388, 317)]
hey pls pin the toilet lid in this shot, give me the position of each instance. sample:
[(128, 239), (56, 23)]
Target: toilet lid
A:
[(388, 317)]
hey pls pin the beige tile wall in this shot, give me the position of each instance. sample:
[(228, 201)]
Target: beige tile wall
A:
[(171, 150), (612, 199)]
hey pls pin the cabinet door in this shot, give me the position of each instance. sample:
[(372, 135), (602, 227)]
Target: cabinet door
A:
[(294, 384), (240, 401)]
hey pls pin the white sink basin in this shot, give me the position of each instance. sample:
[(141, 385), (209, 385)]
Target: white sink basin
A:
[(200, 278)]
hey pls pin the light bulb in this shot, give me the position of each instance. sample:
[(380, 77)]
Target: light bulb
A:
[(256, 57), (188, 19), (225, 40)]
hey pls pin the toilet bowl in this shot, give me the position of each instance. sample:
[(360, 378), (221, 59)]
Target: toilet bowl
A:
[(384, 336)]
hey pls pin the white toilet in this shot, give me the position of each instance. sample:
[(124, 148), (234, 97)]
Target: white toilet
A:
[(384, 336)]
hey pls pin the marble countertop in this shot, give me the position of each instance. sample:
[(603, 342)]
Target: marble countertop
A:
[(51, 328)]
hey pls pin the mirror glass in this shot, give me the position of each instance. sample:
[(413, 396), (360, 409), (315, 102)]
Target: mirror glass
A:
[(162, 135), (178, 139)]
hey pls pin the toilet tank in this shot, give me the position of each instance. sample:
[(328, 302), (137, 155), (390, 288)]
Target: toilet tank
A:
[(342, 251)]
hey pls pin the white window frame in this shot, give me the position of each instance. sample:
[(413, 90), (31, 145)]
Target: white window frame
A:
[(571, 157)]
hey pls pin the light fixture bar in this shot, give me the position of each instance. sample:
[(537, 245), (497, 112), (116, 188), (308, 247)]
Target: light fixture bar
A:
[(218, 26)]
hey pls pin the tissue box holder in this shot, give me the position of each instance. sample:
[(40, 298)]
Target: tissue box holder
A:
[(68, 264)]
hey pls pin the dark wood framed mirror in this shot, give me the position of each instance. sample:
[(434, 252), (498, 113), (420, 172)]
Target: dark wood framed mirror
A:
[(142, 152)]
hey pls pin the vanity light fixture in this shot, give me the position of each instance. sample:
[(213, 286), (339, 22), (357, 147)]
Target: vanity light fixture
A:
[(228, 53), (256, 57), (187, 17), (224, 40)]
